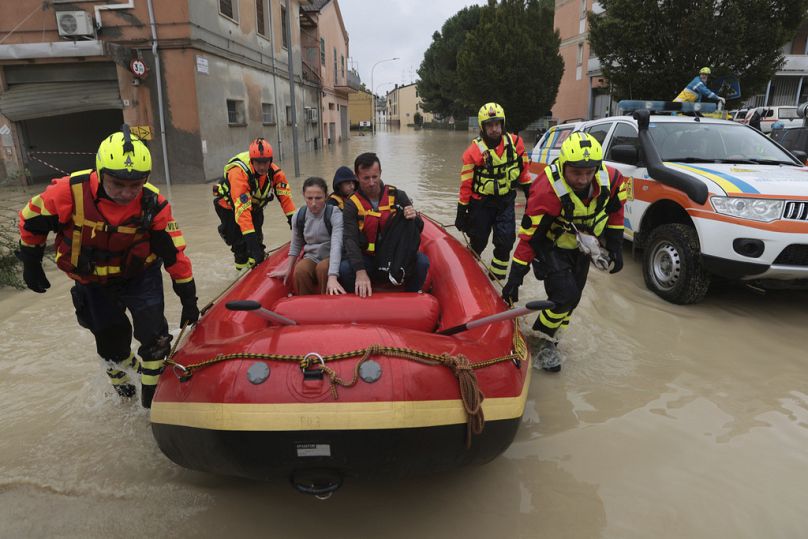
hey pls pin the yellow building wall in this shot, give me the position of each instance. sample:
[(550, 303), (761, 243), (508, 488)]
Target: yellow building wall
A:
[(359, 108)]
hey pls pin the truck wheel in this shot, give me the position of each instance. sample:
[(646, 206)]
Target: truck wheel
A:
[(672, 265)]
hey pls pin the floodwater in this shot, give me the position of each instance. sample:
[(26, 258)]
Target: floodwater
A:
[(666, 421)]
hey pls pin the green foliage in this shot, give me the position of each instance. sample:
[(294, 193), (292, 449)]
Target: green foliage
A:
[(651, 49), (505, 51), (438, 77), (418, 119)]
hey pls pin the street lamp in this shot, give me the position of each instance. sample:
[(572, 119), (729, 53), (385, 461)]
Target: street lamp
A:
[(373, 90)]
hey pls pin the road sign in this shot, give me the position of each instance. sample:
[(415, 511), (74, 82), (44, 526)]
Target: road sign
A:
[(138, 68)]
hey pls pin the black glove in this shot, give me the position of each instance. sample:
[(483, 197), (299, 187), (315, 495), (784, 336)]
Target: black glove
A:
[(187, 294), (614, 244), (289, 220), (462, 218), (32, 272), (510, 292), (254, 248)]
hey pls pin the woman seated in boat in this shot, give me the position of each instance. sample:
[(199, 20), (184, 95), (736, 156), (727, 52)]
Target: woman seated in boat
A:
[(317, 230)]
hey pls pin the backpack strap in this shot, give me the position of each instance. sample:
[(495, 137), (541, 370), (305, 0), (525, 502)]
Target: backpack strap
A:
[(301, 218)]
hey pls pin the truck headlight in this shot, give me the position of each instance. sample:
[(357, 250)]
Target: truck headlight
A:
[(756, 209)]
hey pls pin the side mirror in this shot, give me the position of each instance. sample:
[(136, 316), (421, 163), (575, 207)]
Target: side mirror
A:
[(801, 155), (802, 109), (625, 153)]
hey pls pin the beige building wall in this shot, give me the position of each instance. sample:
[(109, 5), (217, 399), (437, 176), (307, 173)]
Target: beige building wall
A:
[(360, 105), (334, 73), (404, 102)]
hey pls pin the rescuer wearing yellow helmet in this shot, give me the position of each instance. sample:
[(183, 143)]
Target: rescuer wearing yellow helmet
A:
[(575, 209), (493, 165), (697, 89), (113, 232)]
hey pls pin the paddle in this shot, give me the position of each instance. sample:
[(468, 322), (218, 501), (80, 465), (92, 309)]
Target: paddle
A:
[(249, 305), (507, 315)]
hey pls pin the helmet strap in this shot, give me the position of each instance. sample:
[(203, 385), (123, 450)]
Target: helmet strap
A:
[(127, 139)]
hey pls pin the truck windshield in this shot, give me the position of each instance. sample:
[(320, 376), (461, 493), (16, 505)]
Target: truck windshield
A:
[(715, 143)]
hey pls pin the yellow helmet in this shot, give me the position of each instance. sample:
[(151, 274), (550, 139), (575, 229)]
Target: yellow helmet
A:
[(124, 156), (490, 111), (705, 71), (580, 150)]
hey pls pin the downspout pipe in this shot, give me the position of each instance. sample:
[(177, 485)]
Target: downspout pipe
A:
[(690, 186), (292, 87), (275, 86), (159, 95)]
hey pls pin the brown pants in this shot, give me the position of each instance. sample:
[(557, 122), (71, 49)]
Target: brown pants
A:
[(311, 278)]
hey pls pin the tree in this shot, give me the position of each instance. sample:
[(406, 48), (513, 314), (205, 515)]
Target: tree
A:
[(650, 49), (438, 82), (511, 57)]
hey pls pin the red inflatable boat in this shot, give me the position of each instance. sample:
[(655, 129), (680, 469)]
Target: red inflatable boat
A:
[(318, 388)]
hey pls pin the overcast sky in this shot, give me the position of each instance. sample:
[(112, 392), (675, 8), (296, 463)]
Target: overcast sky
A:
[(381, 29)]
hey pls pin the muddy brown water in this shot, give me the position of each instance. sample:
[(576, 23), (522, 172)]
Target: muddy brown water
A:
[(666, 421)]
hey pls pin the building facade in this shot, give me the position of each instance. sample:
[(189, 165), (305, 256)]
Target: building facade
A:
[(211, 76), (403, 104), (360, 109), (325, 46), (584, 92)]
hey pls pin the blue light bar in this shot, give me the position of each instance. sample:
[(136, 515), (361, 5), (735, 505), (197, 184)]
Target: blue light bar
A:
[(630, 105)]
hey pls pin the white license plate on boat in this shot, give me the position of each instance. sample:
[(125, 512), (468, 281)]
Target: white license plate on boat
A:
[(313, 450)]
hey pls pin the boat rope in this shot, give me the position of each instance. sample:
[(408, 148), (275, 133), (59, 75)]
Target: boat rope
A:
[(463, 370)]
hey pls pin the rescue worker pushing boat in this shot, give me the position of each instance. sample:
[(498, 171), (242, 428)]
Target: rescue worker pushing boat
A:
[(575, 201), (493, 165), (113, 232), (251, 180)]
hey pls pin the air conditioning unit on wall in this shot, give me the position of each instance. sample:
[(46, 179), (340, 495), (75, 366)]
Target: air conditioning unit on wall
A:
[(74, 23)]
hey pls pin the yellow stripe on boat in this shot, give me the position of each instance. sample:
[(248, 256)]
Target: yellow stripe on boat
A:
[(333, 415)]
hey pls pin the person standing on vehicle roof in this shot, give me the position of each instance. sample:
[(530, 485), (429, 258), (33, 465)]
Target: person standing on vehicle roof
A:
[(493, 165), (251, 180), (697, 89), (575, 199), (113, 231)]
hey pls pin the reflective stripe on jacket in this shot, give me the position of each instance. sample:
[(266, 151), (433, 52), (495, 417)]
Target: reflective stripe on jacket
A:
[(89, 249)]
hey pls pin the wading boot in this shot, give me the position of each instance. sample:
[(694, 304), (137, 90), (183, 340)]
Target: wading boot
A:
[(118, 375), (547, 357)]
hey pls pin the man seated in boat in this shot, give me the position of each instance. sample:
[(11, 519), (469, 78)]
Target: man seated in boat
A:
[(366, 216), (317, 230)]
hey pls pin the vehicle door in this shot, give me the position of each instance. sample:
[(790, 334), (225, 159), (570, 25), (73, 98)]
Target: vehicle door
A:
[(624, 134)]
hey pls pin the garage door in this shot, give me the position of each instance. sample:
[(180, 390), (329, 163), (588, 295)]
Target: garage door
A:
[(42, 100)]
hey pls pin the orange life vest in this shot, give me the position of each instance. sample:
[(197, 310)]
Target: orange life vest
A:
[(90, 250), (373, 222)]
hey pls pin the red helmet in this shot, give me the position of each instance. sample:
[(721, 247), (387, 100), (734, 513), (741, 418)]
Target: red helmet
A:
[(260, 149)]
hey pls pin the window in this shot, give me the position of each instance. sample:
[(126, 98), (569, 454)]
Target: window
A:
[(342, 65), (580, 57), (600, 131), (562, 136), (267, 113), (284, 29), (235, 112), (583, 9), (322, 50), (261, 14), (623, 134), (229, 8), (335, 65), (288, 115)]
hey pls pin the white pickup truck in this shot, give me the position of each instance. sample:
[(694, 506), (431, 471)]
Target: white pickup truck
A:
[(708, 200)]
